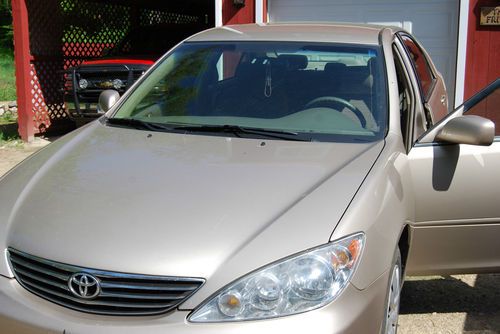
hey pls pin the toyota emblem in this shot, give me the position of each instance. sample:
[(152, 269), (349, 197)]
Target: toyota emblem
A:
[(84, 285)]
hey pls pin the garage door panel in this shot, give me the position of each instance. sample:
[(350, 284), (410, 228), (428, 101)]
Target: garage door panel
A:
[(434, 23), (437, 26), (382, 15)]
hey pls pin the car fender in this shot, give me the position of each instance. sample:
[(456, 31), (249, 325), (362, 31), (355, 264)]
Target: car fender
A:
[(381, 208)]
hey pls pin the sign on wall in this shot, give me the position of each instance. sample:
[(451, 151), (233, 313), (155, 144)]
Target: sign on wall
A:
[(490, 16)]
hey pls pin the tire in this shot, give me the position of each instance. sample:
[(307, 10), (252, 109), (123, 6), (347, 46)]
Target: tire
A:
[(393, 299)]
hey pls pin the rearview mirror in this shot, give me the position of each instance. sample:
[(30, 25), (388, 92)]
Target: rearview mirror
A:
[(107, 99), (471, 130)]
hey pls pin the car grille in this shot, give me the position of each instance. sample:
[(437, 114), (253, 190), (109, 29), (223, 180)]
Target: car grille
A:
[(118, 293)]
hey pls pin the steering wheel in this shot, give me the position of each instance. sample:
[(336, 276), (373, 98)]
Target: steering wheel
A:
[(338, 104)]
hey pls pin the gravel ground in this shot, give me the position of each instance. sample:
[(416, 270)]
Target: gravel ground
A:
[(451, 304), (431, 304), (11, 153)]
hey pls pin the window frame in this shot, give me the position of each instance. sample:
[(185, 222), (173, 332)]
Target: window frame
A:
[(399, 65), (424, 95), (418, 118)]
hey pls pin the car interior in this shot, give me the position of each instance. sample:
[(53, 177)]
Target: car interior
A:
[(275, 87), (299, 88)]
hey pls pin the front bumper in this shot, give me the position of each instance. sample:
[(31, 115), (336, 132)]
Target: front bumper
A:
[(355, 311), (82, 103)]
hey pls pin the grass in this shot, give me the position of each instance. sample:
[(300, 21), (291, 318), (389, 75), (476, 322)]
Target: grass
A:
[(9, 136), (7, 76), (7, 118), (10, 141)]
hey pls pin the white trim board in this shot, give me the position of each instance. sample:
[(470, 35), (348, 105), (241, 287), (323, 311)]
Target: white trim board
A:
[(259, 11), (463, 25), (218, 13)]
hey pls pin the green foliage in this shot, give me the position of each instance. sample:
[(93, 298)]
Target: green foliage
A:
[(7, 118), (6, 37), (7, 75), (8, 131), (5, 6), (6, 32), (91, 26), (11, 141)]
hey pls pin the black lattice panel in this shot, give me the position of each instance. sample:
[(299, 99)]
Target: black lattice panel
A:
[(89, 28), (153, 16), (46, 26)]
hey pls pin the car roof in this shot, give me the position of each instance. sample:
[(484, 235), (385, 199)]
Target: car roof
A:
[(294, 32)]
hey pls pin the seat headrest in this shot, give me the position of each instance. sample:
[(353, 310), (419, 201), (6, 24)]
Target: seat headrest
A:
[(335, 69), (293, 62), (250, 69), (372, 70)]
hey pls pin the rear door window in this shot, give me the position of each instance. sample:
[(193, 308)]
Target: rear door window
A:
[(421, 66)]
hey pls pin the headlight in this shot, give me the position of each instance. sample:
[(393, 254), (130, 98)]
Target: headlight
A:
[(83, 83), (117, 84), (293, 285)]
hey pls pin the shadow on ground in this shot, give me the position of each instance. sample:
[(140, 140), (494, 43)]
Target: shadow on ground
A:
[(447, 294)]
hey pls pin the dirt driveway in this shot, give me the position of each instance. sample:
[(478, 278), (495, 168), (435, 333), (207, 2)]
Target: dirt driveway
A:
[(11, 156), (431, 304)]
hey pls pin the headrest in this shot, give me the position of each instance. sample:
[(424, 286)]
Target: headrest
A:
[(250, 69), (336, 69), (293, 62), (372, 70)]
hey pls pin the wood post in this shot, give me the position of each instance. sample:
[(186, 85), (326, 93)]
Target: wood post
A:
[(22, 58)]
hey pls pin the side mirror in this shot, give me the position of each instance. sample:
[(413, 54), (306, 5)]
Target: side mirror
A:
[(471, 130), (107, 99)]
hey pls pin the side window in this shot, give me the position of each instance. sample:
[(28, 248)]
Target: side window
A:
[(421, 65), (486, 104), (226, 65), (405, 99)]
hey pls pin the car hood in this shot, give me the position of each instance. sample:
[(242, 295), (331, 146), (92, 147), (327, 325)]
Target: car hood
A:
[(171, 204)]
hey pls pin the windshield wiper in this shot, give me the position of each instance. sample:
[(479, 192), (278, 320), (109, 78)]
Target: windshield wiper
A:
[(234, 129), (238, 130), (138, 124)]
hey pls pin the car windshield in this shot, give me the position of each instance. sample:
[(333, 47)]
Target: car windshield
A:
[(317, 92)]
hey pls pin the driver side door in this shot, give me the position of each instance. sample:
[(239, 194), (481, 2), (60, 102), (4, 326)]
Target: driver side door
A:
[(457, 197)]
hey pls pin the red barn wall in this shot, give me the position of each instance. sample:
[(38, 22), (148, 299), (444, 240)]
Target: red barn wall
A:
[(483, 50), (232, 14), (483, 61)]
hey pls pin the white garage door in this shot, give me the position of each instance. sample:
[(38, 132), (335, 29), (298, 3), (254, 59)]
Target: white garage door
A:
[(434, 23)]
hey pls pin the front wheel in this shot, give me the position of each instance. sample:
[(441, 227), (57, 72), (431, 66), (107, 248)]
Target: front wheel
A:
[(393, 296)]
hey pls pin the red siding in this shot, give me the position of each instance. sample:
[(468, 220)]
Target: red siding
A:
[(238, 15), (483, 50), (483, 65)]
